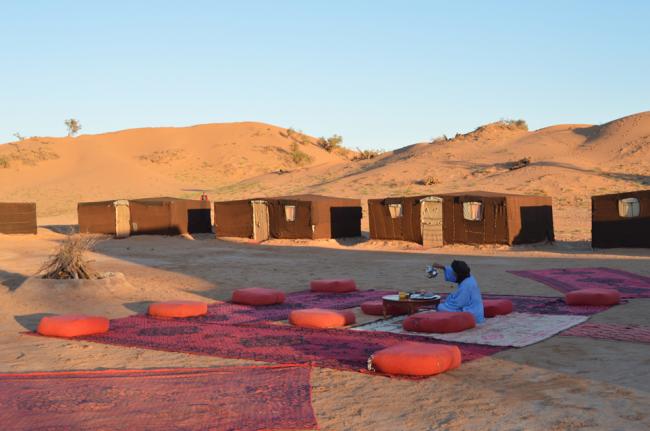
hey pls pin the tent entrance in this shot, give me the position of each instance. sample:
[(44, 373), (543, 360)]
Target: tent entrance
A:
[(431, 221), (122, 219), (261, 228), (199, 220)]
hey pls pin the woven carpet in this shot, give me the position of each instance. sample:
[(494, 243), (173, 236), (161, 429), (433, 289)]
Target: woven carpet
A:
[(548, 305), (335, 348), (512, 330), (233, 398), (567, 279), (609, 331)]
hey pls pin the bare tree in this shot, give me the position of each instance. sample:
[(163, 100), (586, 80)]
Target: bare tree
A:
[(73, 126)]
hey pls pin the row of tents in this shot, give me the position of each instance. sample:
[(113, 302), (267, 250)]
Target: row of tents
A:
[(618, 220)]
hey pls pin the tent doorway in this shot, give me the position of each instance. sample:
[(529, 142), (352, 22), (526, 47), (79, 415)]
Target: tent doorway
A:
[(122, 219), (261, 228), (199, 220), (431, 221)]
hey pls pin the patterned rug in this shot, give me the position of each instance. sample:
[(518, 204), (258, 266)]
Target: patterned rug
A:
[(512, 330), (548, 305), (335, 348), (233, 398), (227, 313), (567, 279), (610, 331)]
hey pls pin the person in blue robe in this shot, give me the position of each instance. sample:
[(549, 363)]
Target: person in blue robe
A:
[(468, 295)]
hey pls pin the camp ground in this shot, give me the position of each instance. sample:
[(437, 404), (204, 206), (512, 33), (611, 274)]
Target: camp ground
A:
[(17, 217), (289, 217), (161, 216), (621, 220), (465, 217)]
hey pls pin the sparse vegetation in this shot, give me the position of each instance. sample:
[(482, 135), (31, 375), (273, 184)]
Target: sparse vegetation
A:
[(27, 156), (69, 261), (163, 156), (367, 154), (429, 180), (19, 136), (515, 124), (439, 139), (299, 157), (518, 164), (73, 126), (4, 162), (331, 143)]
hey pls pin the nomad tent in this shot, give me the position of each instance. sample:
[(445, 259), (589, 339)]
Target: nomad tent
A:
[(158, 216), (621, 220), (300, 216), (17, 217), (469, 217)]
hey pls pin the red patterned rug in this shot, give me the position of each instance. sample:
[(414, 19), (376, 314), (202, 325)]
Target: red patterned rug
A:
[(233, 398), (335, 348), (227, 313), (548, 305), (567, 279), (610, 331)]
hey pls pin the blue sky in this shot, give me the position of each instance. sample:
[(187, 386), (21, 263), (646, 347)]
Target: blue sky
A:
[(383, 74)]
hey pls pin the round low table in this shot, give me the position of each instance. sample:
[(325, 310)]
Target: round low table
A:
[(411, 304)]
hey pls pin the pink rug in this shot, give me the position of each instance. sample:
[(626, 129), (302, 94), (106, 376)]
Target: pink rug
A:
[(336, 348), (610, 331), (567, 279), (227, 313), (233, 398)]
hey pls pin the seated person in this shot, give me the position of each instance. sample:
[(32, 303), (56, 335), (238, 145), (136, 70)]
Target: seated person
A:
[(468, 295)]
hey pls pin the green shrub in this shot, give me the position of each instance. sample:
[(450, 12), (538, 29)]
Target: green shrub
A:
[(4, 162), (298, 157), (331, 143), (515, 124), (367, 154)]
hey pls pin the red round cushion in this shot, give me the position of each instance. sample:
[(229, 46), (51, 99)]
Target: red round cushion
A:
[(497, 307), (178, 309), (258, 296), (440, 322), (376, 308), (333, 286), (72, 325), (416, 359), (321, 318), (593, 296)]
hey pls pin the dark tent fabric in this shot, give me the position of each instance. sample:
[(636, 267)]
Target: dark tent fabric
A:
[(18, 218), (316, 217), (158, 216), (609, 229), (507, 219)]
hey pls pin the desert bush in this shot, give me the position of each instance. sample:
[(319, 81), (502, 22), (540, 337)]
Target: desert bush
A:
[(69, 261), (518, 164), (73, 126), (4, 162), (439, 139), (19, 136), (331, 143), (163, 156), (515, 124), (430, 180), (367, 154), (299, 157)]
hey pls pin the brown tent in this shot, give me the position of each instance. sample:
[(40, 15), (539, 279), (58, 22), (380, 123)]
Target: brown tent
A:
[(158, 216), (470, 217), (300, 216), (621, 220), (17, 217)]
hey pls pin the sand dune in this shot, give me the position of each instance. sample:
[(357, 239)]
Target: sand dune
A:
[(570, 162)]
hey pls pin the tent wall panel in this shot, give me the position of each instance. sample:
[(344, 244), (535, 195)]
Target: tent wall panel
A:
[(609, 229), (18, 218), (234, 218), (96, 217)]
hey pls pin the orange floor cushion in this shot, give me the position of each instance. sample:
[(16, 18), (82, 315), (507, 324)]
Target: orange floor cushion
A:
[(72, 325), (593, 296), (376, 308), (320, 318), (416, 359), (258, 296), (178, 309), (333, 286), (439, 322), (497, 307)]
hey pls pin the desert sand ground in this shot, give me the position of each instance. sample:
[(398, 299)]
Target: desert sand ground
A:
[(563, 383)]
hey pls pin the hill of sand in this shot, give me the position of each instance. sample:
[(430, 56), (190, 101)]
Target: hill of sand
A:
[(568, 162)]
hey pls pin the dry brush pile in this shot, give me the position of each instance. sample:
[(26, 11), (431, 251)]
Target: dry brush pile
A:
[(69, 261)]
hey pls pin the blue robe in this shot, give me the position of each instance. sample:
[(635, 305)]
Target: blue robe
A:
[(466, 298)]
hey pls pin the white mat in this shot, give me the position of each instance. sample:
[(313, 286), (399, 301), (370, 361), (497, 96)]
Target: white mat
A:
[(512, 330)]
